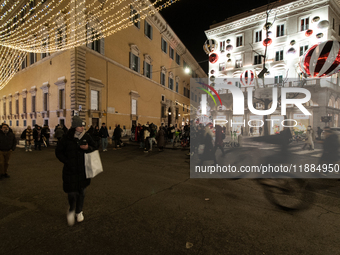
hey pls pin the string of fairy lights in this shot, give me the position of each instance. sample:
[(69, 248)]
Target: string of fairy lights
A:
[(58, 25)]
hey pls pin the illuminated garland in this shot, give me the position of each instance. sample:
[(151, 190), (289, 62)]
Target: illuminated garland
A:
[(59, 25)]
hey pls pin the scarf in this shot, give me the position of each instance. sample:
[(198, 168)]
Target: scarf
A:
[(79, 135)]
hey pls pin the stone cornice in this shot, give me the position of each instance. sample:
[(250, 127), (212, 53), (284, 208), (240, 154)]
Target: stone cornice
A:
[(283, 11)]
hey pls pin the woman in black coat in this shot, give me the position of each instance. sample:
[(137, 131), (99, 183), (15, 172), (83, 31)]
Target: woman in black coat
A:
[(71, 151)]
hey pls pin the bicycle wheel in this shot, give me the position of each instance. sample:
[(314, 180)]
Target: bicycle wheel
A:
[(288, 194)]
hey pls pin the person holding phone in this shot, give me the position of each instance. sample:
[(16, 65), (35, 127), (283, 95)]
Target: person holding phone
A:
[(71, 151)]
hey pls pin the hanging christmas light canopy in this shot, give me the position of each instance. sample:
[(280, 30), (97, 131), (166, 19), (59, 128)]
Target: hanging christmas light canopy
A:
[(57, 25), (321, 60)]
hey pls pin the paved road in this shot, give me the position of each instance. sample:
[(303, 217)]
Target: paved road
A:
[(145, 203)]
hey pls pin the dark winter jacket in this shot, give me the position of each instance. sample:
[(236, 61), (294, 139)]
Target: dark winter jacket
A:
[(117, 133), (68, 151), (104, 132), (7, 141)]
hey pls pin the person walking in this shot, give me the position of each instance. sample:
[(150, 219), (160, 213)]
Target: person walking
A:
[(330, 153), (160, 137), (28, 136), (38, 138), (59, 133), (310, 139), (71, 152), (104, 134), (117, 135), (146, 138), (319, 131), (7, 145), (219, 139), (46, 134), (96, 136)]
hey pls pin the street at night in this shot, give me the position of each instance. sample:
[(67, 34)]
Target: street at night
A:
[(145, 203)]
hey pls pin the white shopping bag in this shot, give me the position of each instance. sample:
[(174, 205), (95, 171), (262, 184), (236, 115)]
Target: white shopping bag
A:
[(93, 164)]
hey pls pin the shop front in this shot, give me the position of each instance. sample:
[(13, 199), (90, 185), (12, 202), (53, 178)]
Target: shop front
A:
[(255, 125), (238, 123), (275, 124), (302, 121), (220, 120)]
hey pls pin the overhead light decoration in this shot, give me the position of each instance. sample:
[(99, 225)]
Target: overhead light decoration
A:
[(309, 32), (58, 25), (210, 45), (247, 77), (267, 42), (213, 58), (321, 60)]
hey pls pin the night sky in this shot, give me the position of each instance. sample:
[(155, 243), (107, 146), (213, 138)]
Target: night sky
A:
[(190, 18)]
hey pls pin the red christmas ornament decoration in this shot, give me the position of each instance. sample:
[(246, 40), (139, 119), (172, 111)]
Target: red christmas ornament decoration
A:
[(213, 58), (267, 42), (309, 32), (247, 77), (321, 60)]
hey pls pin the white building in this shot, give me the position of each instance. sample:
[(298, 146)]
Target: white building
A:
[(295, 27)]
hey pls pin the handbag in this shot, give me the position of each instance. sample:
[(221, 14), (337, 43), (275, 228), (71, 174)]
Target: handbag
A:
[(93, 164)]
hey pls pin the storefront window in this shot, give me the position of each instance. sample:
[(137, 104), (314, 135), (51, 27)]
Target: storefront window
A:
[(237, 124), (275, 126), (302, 123)]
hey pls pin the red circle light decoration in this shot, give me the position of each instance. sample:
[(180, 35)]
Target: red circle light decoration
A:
[(213, 58), (322, 59), (247, 77), (267, 42), (309, 32)]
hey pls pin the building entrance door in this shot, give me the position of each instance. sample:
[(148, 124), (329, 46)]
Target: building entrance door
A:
[(95, 122), (169, 116)]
